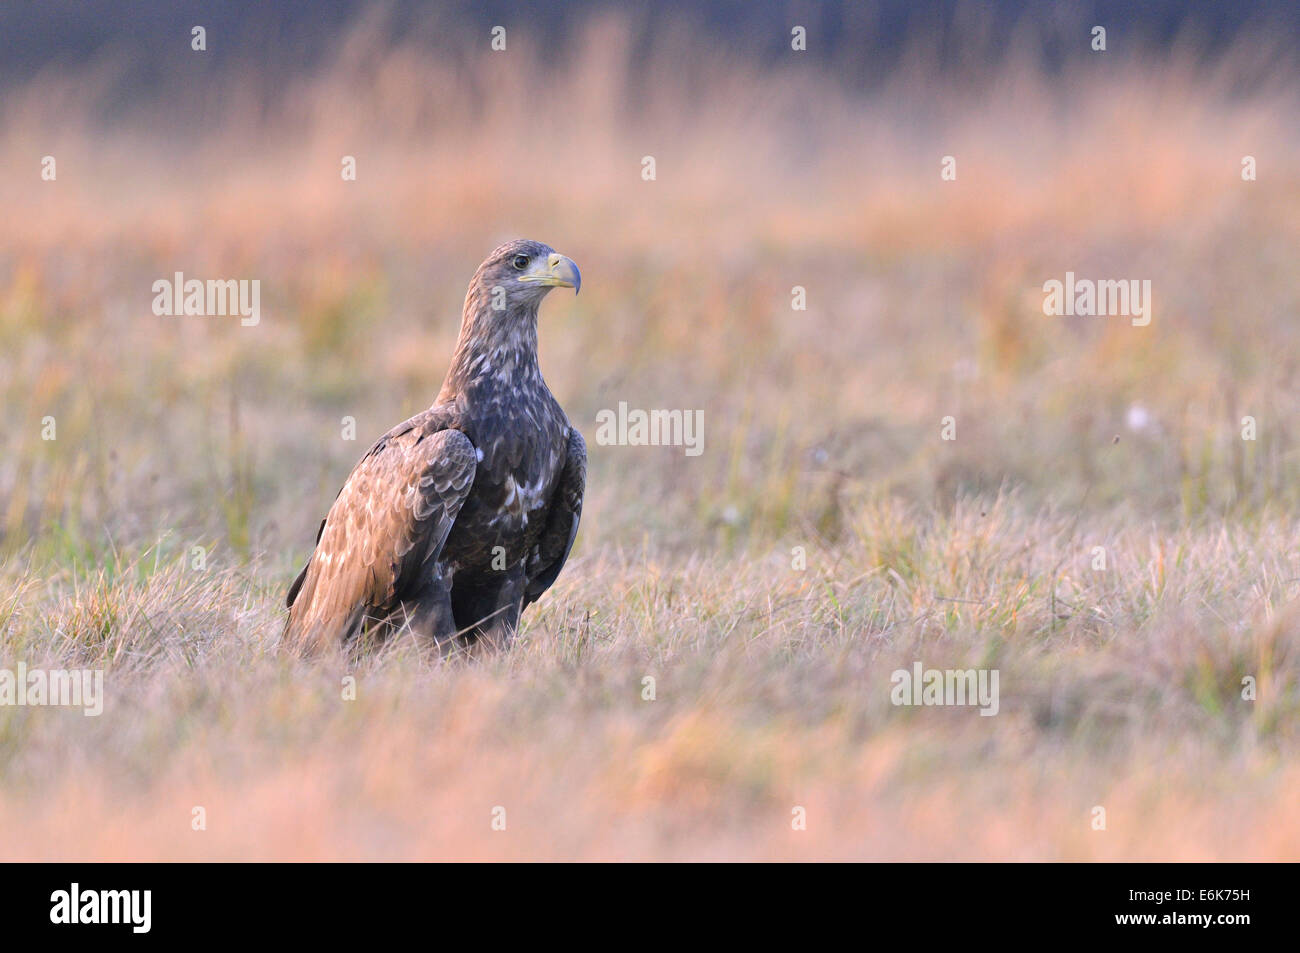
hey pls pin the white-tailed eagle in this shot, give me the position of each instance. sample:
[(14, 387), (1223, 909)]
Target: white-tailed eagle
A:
[(459, 518)]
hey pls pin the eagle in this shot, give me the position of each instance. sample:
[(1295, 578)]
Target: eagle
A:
[(458, 519)]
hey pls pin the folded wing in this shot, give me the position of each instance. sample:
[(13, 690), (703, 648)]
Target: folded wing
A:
[(389, 521), (546, 561)]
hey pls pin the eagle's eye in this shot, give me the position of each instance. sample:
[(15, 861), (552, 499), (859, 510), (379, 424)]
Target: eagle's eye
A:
[(520, 262)]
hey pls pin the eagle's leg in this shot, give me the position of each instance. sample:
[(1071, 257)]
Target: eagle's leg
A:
[(429, 614), (492, 613)]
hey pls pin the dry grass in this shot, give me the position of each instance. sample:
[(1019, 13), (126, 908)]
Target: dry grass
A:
[(1120, 688)]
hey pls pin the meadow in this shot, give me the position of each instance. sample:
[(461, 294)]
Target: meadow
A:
[(826, 536)]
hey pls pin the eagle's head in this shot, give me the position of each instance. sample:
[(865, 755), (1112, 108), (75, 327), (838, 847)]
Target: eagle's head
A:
[(520, 273), (498, 326)]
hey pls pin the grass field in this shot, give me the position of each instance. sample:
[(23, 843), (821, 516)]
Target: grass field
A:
[(826, 536)]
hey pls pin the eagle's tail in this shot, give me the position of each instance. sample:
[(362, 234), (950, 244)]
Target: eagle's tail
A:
[(308, 631)]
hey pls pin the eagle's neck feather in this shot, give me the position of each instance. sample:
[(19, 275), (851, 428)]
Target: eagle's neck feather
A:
[(496, 353)]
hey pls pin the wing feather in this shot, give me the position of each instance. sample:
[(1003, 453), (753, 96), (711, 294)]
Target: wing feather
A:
[(552, 550), (389, 521)]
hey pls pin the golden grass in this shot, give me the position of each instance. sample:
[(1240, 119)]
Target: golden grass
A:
[(1120, 688)]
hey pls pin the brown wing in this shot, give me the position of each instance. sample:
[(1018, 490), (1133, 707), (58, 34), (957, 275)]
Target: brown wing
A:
[(553, 548), (390, 519)]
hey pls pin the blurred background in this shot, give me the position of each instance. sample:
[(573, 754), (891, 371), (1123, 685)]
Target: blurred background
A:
[(775, 168)]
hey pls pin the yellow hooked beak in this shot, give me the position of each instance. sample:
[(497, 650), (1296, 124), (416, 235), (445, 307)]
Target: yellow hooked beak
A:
[(556, 271)]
